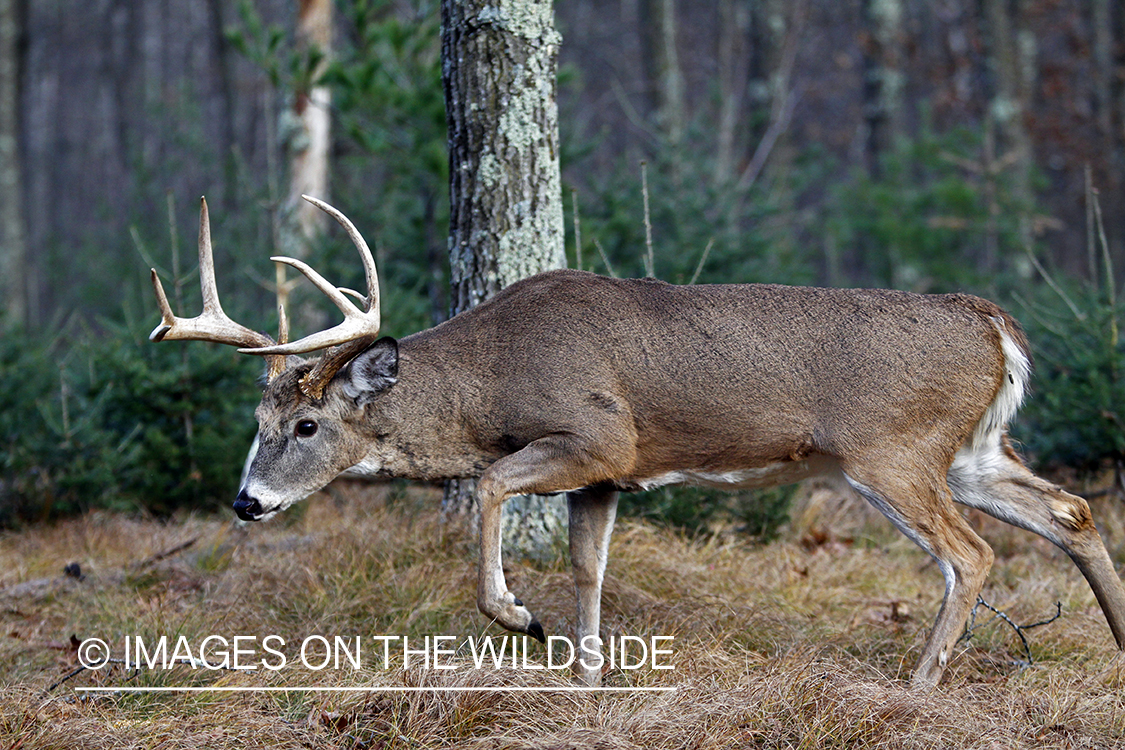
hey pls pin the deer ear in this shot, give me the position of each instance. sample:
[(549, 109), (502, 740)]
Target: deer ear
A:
[(372, 371)]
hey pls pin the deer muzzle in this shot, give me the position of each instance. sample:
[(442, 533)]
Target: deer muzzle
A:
[(247, 508)]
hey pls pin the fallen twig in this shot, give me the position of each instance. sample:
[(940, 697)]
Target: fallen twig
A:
[(166, 553), (999, 614), (79, 670), (136, 668)]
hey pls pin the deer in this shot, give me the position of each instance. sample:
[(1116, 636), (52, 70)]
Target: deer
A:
[(571, 382)]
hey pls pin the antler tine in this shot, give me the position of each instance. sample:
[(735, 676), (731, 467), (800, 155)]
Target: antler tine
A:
[(212, 324), (277, 361), (321, 283), (357, 326), (207, 283), (282, 325), (369, 270)]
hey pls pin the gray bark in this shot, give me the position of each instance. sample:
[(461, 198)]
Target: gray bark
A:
[(499, 63), (883, 78), (662, 60), (1013, 56), (307, 138), (13, 244)]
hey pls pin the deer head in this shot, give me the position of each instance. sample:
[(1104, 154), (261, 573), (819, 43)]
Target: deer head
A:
[(305, 439)]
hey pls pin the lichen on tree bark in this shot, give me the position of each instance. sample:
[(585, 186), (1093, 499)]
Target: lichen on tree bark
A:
[(499, 63)]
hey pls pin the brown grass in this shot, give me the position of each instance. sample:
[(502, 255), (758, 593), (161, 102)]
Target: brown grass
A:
[(803, 643)]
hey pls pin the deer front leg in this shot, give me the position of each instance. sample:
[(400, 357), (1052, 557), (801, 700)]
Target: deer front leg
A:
[(592, 511), (493, 598), (548, 465)]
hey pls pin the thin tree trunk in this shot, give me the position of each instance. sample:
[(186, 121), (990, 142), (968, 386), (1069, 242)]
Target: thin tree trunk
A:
[(776, 29), (1119, 48), (662, 63), (307, 143), (225, 84), (734, 30), (1108, 83), (1013, 51), (13, 237), (499, 63), (1103, 66), (883, 78)]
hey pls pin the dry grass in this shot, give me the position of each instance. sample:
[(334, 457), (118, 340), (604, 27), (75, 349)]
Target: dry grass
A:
[(790, 645)]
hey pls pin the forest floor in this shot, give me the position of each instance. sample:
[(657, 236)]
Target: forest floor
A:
[(806, 642)]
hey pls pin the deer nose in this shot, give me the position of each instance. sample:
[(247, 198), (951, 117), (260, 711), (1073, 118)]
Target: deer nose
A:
[(247, 508)]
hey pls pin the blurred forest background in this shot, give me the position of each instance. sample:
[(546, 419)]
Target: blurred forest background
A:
[(930, 145)]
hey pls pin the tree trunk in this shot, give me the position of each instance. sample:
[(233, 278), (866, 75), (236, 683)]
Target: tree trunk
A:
[(225, 85), (734, 33), (662, 65), (883, 78), (1108, 84), (1013, 53), (499, 62), (776, 30), (13, 243), (1103, 67), (307, 137)]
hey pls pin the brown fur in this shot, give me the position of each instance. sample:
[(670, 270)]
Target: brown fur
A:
[(568, 380)]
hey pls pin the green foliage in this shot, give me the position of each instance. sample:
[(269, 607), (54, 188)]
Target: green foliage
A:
[(1076, 414), (386, 85), (120, 423), (759, 513), (267, 47), (938, 217), (390, 173), (725, 234), (388, 88)]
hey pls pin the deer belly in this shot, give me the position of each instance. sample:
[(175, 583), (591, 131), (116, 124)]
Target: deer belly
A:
[(769, 475)]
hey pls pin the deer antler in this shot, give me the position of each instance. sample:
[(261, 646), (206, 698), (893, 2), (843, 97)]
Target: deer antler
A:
[(359, 328), (212, 324)]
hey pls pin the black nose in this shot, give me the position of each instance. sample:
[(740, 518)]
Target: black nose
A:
[(246, 507)]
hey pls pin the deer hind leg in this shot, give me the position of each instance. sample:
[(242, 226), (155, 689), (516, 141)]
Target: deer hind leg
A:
[(592, 512), (555, 463), (990, 477), (920, 505)]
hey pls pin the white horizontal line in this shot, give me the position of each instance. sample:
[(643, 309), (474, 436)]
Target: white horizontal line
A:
[(375, 689)]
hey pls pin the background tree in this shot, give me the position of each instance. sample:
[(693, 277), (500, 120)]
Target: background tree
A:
[(13, 246), (307, 139), (883, 77), (662, 66), (499, 63)]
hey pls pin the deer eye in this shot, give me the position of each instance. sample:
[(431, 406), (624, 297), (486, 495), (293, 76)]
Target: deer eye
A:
[(305, 428)]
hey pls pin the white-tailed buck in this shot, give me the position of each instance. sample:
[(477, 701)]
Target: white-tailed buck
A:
[(577, 383)]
